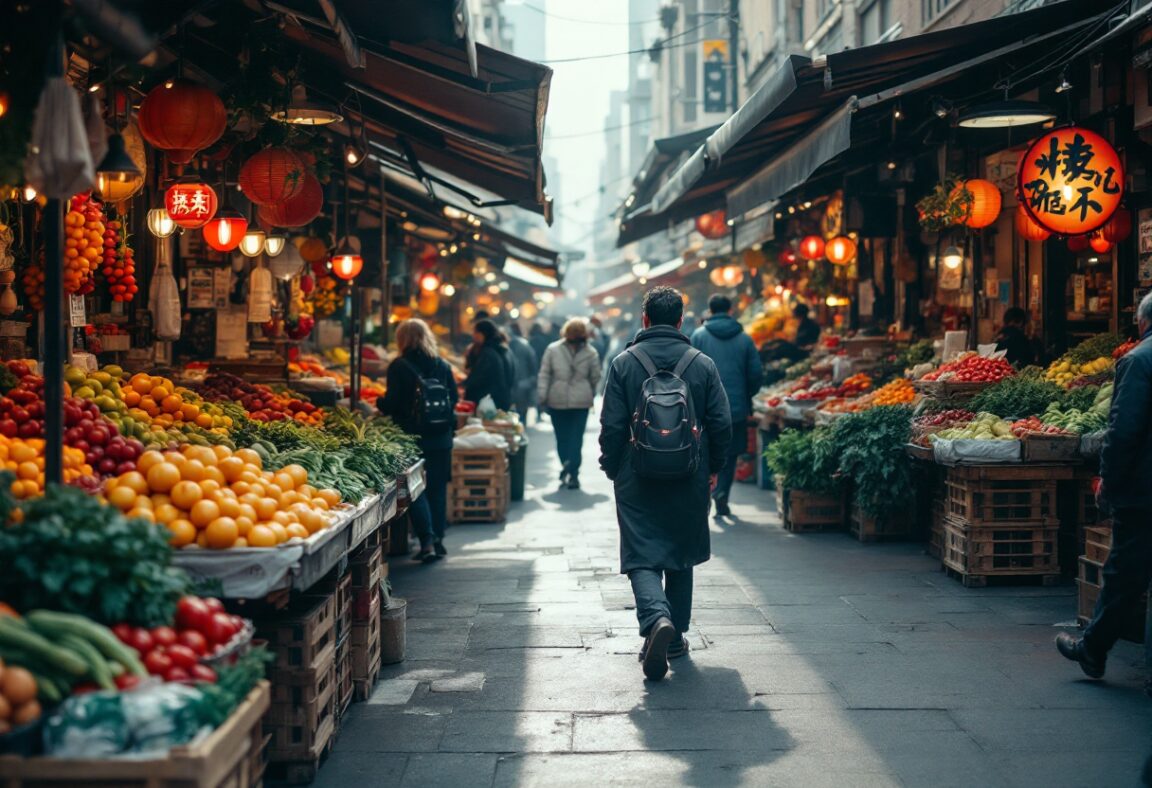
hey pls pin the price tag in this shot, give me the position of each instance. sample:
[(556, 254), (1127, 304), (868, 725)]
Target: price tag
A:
[(77, 314)]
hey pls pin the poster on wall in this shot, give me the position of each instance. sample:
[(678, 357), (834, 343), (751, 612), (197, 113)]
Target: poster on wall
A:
[(1144, 263), (201, 282)]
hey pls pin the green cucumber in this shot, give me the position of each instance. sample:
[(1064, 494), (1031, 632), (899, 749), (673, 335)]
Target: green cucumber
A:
[(97, 668), (16, 633), (60, 624)]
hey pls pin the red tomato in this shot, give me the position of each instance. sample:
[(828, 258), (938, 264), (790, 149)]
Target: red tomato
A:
[(221, 629), (182, 656), (192, 613), (176, 674), (127, 681), (203, 673), (157, 663), (142, 640), (163, 636), (193, 640), (123, 633), (214, 604)]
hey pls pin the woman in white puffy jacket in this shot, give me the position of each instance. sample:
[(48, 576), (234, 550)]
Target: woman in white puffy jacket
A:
[(566, 386)]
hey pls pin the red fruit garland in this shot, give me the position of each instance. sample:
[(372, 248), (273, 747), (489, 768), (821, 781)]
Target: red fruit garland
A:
[(119, 266)]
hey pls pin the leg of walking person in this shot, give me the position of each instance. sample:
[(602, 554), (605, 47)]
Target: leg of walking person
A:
[(727, 474), (651, 602), (579, 422), (438, 473), (561, 425), (678, 591), (421, 519), (1125, 576)]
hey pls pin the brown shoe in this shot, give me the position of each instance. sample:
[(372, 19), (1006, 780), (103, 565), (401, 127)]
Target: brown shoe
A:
[(655, 659)]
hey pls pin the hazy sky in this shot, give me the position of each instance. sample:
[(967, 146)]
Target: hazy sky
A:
[(579, 103)]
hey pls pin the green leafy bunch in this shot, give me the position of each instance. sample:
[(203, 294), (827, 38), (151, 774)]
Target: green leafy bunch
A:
[(806, 459), (870, 448), (70, 552), (945, 206), (1093, 348), (1019, 396)]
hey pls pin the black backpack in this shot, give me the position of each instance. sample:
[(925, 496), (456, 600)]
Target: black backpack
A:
[(665, 431), (432, 411)]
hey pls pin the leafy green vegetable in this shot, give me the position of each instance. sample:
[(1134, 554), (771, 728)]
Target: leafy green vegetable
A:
[(916, 353), (1093, 348), (870, 449), (233, 683), (1080, 398), (72, 553), (806, 460), (1020, 395)]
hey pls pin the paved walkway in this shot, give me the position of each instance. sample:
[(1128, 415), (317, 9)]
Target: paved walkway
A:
[(816, 661)]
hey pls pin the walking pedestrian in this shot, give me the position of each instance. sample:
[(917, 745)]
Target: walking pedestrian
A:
[(723, 340), (1124, 492), (493, 370), (538, 340), (527, 369), (567, 388), (421, 398), (664, 433)]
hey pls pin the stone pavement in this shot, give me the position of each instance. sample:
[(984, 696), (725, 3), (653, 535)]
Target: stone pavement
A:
[(816, 661)]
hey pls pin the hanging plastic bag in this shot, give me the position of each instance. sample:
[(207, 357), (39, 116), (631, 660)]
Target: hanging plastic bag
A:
[(59, 162), (164, 303), (97, 133), (260, 295)]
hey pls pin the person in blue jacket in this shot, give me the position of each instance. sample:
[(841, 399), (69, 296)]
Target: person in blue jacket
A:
[(723, 340)]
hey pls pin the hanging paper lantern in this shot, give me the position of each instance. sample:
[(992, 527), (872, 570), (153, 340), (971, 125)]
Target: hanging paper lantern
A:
[(182, 118), (272, 176), (713, 225), (307, 284), (786, 257), (1027, 228), (298, 210), (812, 247), (225, 230), (841, 250), (346, 264), (1119, 227), (1071, 180), (287, 265), (313, 250), (1078, 243), (985, 206), (191, 205), (429, 281), (1100, 244), (727, 276)]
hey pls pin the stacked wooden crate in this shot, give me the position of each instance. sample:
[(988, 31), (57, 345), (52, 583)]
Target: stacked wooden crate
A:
[(301, 720), (366, 569), (479, 491), (343, 593), (1000, 521), (1097, 545)]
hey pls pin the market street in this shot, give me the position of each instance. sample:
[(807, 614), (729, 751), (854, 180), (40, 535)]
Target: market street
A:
[(816, 660)]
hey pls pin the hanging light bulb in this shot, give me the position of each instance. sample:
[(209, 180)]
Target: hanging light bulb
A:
[(354, 155), (274, 244), (29, 194), (225, 230), (252, 244), (118, 177), (429, 282), (346, 262), (160, 224), (953, 258)]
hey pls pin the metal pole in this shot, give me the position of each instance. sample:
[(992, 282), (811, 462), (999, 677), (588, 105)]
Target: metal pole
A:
[(354, 362), (385, 263), (733, 44), (55, 327)]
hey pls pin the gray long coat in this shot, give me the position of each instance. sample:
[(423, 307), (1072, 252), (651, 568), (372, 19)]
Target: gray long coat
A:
[(663, 524)]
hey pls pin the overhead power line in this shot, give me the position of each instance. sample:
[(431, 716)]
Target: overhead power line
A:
[(664, 43), (601, 130), (614, 23)]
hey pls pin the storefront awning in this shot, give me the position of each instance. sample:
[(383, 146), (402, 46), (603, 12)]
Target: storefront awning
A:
[(805, 93)]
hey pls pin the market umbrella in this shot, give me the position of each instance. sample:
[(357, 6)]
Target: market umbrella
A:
[(59, 162)]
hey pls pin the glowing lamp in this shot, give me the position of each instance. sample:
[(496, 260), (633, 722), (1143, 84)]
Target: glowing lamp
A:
[(274, 244), (118, 177), (346, 264), (1027, 228), (841, 250), (429, 281), (160, 224), (191, 205), (713, 225), (1100, 244), (225, 230), (952, 258), (252, 244), (812, 247)]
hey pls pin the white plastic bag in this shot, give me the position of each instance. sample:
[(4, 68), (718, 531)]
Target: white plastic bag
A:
[(969, 451), (486, 407), (59, 162), (164, 303)]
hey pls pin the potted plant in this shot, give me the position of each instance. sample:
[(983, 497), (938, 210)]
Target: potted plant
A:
[(870, 451), (809, 493), (944, 207)]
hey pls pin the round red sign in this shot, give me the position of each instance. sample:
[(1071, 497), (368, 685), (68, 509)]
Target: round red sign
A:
[(1071, 181)]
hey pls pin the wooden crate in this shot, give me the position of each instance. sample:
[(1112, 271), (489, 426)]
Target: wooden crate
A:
[(344, 675), (367, 569), (362, 689), (812, 512), (365, 645), (299, 639), (896, 525), (977, 552), (1041, 447), (342, 599), (479, 462), (300, 708), (994, 501), (295, 687), (230, 756), (1097, 543), (297, 763), (936, 530), (1088, 587)]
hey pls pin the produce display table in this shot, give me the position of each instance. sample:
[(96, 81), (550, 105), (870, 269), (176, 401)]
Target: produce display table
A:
[(412, 484), (232, 755)]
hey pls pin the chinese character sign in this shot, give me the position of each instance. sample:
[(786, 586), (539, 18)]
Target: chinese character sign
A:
[(190, 205), (1071, 181)]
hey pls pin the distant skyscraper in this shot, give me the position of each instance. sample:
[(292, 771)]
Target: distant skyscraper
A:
[(527, 27)]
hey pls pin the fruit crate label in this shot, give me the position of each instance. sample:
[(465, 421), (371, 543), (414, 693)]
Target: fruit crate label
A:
[(77, 314)]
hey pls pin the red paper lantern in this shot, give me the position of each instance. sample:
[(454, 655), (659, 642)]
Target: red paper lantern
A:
[(307, 284), (1119, 227), (346, 265), (1071, 181), (225, 230), (182, 118), (1078, 243), (272, 176), (299, 209), (429, 281), (191, 205), (786, 257), (713, 225), (1027, 228), (812, 247), (1100, 244), (841, 250), (985, 206)]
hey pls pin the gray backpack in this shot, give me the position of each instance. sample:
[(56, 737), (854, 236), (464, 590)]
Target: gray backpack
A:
[(665, 431)]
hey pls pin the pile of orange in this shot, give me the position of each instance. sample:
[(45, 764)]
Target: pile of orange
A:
[(897, 392), (83, 243), (162, 403), (25, 458), (217, 498)]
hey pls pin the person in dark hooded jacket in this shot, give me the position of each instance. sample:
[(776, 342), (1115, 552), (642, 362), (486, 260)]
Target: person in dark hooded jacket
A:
[(493, 370), (663, 523), (723, 340)]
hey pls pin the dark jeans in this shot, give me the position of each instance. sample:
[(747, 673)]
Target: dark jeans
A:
[(1125, 578), (672, 599), (430, 510), (737, 447), (569, 425)]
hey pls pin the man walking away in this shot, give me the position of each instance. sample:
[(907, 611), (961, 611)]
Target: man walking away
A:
[(527, 366), (723, 340), (664, 431), (1125, 469)]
